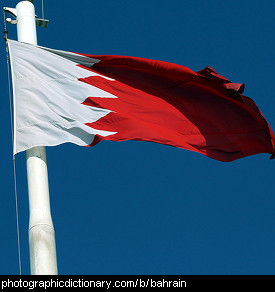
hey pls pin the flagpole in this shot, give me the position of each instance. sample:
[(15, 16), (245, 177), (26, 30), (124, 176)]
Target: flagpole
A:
[(42, 247)]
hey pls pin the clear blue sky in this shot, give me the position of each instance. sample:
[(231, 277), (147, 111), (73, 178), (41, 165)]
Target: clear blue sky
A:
[(139, 207)]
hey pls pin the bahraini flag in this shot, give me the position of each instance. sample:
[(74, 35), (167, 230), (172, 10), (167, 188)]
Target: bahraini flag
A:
[(63, 97)]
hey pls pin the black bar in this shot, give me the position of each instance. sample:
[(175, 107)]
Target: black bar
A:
[(117, 282)]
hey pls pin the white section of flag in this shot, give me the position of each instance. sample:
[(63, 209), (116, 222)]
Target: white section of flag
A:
[(48, 96)]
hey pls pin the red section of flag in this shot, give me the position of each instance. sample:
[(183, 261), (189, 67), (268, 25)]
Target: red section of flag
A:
[(170, 104)]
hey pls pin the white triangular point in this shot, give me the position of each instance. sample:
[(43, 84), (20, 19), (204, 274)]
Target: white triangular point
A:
[(48, 97)]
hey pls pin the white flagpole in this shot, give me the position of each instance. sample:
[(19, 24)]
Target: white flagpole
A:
[(42, 246)]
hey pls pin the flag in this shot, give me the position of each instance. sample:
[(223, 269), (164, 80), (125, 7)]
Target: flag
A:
[(63, 97)]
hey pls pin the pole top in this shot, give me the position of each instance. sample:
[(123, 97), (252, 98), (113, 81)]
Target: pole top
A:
[(13, 11)]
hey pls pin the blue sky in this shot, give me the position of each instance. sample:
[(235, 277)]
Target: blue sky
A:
[(144, 208)]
